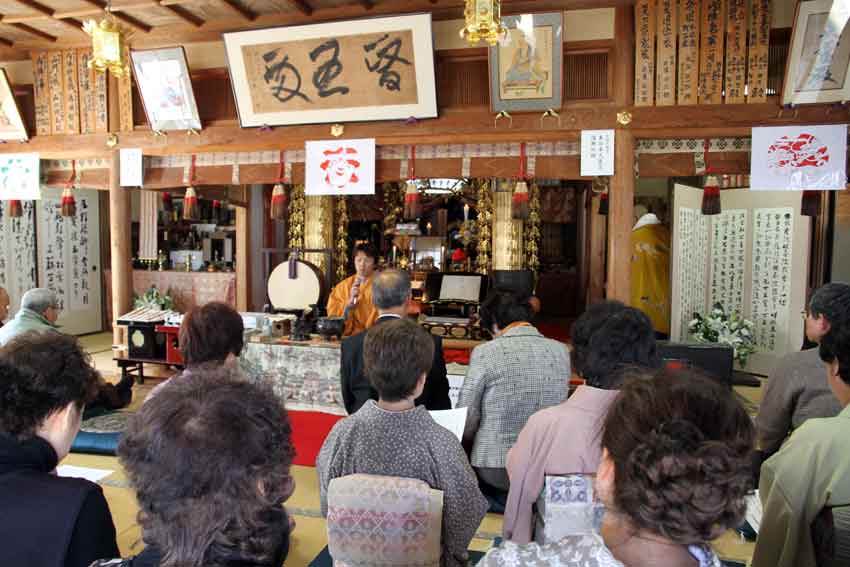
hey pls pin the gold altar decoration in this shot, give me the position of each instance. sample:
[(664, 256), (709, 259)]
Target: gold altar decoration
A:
[(296, 217), (107, 40), (532, 230), (393, 205), (341, 250), (485, 222), (507, 232), (483, 21), (318, 227)]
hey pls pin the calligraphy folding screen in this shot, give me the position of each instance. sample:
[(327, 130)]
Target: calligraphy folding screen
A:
[(373, 69), (69, 258), (17, 252), (751, 258)]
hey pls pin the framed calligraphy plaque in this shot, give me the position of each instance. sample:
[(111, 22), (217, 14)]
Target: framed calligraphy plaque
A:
[(818, 67), (360, 70), (526, 68), (166, 88), (11, 124)]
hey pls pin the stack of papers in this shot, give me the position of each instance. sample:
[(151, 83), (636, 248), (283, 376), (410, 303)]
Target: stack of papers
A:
[(454, 420), (94, 475)]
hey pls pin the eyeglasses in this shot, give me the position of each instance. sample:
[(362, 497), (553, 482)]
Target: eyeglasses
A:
[(804, 314)]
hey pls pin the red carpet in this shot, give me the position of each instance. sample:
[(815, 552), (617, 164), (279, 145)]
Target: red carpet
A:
[(309, 429)]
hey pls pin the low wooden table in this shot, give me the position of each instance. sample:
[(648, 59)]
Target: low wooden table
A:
[(136, 366)]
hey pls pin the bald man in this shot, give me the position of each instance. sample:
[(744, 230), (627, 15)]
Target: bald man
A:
[(4, 305)]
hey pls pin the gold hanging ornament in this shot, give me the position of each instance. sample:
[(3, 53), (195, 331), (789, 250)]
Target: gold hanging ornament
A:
[(483, 21), (532, 230), (341, 252), (297, 205), (485, 223), (107, 41)]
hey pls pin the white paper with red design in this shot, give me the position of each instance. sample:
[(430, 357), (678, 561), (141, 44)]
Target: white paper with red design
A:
[(796, 158), (340, 167)]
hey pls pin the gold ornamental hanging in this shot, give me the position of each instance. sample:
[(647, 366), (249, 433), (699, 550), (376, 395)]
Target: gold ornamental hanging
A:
[(483, 21), (107, 40)]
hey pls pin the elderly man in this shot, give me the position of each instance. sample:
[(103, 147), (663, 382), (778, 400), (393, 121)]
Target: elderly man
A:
[(4, 305), (39, 312), (391, 297), (352, 297)]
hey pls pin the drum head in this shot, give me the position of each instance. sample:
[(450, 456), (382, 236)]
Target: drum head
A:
[(294, 294)]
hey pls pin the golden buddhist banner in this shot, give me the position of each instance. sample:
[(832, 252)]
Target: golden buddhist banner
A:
[(376, 69)]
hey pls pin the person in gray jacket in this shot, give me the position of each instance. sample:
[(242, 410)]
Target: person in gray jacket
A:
[(39, 312)]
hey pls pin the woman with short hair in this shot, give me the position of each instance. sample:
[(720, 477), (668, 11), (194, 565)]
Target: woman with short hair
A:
[(46, 380), (209, 459), (675, 470)]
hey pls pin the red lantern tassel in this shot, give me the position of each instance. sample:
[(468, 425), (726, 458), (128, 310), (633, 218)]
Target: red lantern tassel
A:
[(278, 204), (810, 205), (69, 205), (711, 197), (167, 203), (190, 204), (412, 204), (16, 210), (603, 204), (216, 211), (519, 201)]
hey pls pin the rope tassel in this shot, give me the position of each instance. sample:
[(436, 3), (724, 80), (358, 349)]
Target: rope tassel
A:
[(68, 206), (16, 209)]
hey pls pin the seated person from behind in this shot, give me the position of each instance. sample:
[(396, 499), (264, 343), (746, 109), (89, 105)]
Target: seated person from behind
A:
[(4, 305), (209, 460), (210, 335), (394, 437), (46, 520), (510, 378), (797, 388), (352, 297), (391, 296), (811, 471), (675, 469), (564, 439)]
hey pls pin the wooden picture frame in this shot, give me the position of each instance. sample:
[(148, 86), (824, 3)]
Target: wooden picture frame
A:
[(350, 71), (12, 125), (818, 66), (526, 68), (165, 88)]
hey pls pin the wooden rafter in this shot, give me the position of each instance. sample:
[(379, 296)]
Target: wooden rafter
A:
[(183, 14), (50, 13), (302, 6), (126, 18), (368, 4), (239, 8), (6, 42), (33, 31)]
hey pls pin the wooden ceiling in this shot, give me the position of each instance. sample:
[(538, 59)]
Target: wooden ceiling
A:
[(51, 24)]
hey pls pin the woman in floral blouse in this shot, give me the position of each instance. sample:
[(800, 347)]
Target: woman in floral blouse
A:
[(674, 473)]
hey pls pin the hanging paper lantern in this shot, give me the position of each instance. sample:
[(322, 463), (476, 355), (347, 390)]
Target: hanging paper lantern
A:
[(603, 204), (190, 204), (412, 203), (810, 205), (69, 205), (167, 203), (711, 196), (519, 201), (16, 210), (278, 204)]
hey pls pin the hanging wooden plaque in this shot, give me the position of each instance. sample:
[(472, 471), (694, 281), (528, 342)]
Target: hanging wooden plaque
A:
[(736, 51), (644, 52), (41, 95), (689, 28), (101, 104), (86, 85), (125, 99), (665, 80), (711, 51), (71, 91), (758, 54)]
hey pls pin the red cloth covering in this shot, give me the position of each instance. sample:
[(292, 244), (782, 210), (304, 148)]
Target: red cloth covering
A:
[(309, 430), (458, 355)]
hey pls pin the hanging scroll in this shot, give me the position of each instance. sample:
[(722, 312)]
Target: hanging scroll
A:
[(728, 259), (41, 95), (736, 51), (711, 51), (688, 51), (644, 52), (17, 252), (758, 55), (665, 83)]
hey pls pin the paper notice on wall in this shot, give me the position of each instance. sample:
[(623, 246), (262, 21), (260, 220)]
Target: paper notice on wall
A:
[(597, 152), (132, 171)]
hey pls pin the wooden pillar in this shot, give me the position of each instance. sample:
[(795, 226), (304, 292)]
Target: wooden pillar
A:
[(597, 234), (242, 260), (620, 211), (119, 231)]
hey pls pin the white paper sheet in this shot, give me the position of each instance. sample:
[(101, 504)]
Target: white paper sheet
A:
[(463, 288), (94, 475), (454, 420), (754, 511), (131, 172)]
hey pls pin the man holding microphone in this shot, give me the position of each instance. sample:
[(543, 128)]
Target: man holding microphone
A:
[(352, 297)]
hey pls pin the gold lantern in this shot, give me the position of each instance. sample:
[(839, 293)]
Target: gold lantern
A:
[(483, 21), (107, 47)]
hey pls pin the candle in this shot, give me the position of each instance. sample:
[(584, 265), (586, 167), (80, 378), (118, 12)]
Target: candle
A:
[(428, 226), (465, 212), (442, 255), (395, 250)]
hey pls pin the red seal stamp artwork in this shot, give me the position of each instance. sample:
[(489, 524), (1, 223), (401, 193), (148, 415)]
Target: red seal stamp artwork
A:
[(341, 166), (789, 154)]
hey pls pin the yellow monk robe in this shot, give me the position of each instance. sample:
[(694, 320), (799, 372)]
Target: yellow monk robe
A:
[(650, 244), (362, 315)]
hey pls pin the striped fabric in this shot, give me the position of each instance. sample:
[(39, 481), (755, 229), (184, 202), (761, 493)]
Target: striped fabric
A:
[(147, 225)]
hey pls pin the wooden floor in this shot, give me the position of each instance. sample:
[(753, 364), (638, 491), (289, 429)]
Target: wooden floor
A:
[(310, 533)]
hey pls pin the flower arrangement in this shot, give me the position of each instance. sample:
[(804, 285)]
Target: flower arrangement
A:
[(730, 329), (153, 299)]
